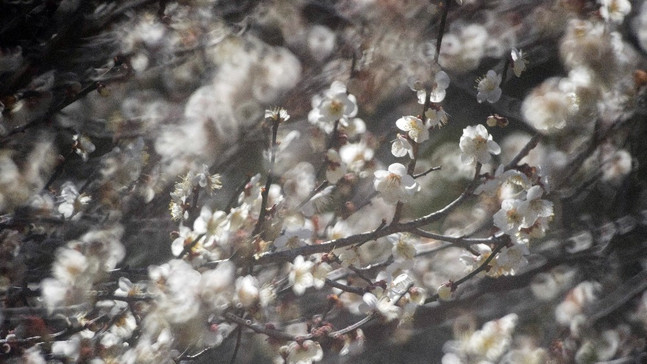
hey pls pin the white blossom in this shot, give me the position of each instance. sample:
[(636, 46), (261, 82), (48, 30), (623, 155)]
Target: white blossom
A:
[(300, 276), (440, 84), (477, 145), (247, 292), (415, 128), (401, 147), (335, 168), (533, 207), (435, 116), (488, 88), (71, 201), (335, 104), (614, 10), (519, 61), (382, 306), (395, 184), (305, 353)]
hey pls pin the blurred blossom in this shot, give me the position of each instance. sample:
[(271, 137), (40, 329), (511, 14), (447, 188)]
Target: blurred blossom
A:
[(463, 47), (617, 166), (519, 61), (71, 201), (548, 107), (300, 275), (306, 352), (247, 291), (335, 167), (438, 87), (614, 10), (321, 42), (83, 146), (401, 147), (382, 306), (486, 345)]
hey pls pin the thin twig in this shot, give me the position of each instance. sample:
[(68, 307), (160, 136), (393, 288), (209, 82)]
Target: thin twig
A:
[(532, 143), (289, 255), (427, 172)]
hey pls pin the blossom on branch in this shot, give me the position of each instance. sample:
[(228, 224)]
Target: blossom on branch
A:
[(477, 145), (488, 88), (335, 104), (415, 128), (395, 184)]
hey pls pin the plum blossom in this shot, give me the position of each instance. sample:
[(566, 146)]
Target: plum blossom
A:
[(277, 114), (440, 84), (519, 61), (488, 88), (614, 10), (415, 128), (335, 104), (72, 201), (533, 207), (509, 219), (435, 116), (477, 145), (403, 248), (401, 147), (382, 306), (304, 353), (211, 223), (395, 184), (83, 146), (300, 275), (445, 291), (247, 292), (335, 168)]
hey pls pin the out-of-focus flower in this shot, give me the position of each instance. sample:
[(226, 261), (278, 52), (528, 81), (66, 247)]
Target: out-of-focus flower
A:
[(493, 339), (488, 88), (212, 224), (477, 145), (382, 306), (300, 275), (617, 166), (247, 292), (439, 87), (321, 42), (445, 291), (395, 184), (72, 201), (414, 127), (403, 248), (614, 10), (82, 146), (319, 274), (401, 147), (305, 353), (519, 61), (335, 167)]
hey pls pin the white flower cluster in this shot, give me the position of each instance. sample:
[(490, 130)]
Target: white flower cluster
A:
[(483, 346), (81, 264)]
